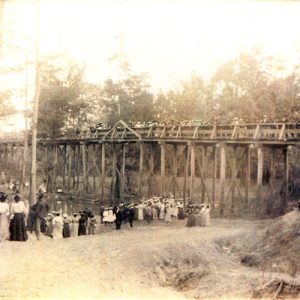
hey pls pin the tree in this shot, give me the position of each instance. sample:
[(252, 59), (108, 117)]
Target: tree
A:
[(128, 99), (60, 101)]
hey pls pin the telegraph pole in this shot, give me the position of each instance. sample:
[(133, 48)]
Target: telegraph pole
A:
[(35, 110)]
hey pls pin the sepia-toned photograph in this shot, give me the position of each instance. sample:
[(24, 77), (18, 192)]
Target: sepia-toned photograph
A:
[(149, 149)]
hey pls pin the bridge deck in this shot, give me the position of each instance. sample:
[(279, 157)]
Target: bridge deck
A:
[(267, 133)]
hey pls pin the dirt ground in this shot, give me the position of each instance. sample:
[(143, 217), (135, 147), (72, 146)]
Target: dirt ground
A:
[(154, 261)]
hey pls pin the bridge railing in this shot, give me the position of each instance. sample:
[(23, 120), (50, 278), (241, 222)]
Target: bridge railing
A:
[(261, 131)]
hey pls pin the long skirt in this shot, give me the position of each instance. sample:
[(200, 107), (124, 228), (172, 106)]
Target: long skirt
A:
[(74, 229), (162, 214), (154, 214), (66, 232), (180, 214), (168, 217), (17, 228), (57, 231), (192, 220), (4, 227), (141, 214), (81, 229)]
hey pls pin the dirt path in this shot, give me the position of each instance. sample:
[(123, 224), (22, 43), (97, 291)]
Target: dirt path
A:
[(140, 263)]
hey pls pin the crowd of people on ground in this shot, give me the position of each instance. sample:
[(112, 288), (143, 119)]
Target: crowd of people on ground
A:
[(18, 219), (155, 208), (198, 215)]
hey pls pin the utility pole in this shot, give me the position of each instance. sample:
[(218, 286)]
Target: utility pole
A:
[(35, 110)]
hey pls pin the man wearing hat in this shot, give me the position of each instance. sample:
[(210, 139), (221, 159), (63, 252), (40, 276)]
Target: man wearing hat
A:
[(41, 208)]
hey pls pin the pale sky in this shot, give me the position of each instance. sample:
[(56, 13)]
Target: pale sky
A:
[(166, 39)]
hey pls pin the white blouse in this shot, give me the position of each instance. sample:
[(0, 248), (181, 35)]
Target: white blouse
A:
[(4, 208), (18, 207)]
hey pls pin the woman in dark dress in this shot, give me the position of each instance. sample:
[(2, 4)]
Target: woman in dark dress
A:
[(66, 227), (17, 226), (82, 225)]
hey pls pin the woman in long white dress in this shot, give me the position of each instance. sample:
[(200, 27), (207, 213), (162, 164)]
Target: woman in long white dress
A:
[(168, 215), (207, 216), (74, 225), (57, 226), (4, 214), (140, 212), (162, 211)]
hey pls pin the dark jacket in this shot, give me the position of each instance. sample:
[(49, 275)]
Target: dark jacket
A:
[(41, 208)]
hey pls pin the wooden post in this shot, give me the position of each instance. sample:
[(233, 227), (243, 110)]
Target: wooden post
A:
[(69, 150), (55, 166), (248, 174), (285, 187), (65, 165), (102, 170), (260, 168), (162, 168), (222, 177), (204, 162), (272, 167), (141, 167), (233, 178), (84, 166), (215, 164), (123, 171), (94, 168), (174, 169), (193, 169), (151, 173), (186, 171), (113, 182)]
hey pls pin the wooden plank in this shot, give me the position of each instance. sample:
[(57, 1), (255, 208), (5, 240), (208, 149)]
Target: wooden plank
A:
[(94, 167), (285, 186)]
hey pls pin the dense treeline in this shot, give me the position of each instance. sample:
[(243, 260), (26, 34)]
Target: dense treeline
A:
[(250, 87)]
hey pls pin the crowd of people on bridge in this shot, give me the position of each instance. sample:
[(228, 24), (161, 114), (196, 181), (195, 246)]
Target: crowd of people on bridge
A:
[(217, 120)]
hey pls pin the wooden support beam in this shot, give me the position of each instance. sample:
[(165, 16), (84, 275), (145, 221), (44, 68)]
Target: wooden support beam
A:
[(55, 166), (203, 164), (94, 167), (84, 166), (114, 174), (141, 169), (222, 177), (186, 171), (215, 170), (64, 153), (151, 171), (162, 168), (248, 174), (102, 170), (174, 173), (123, 172), (260, 168), (69, 155), (285, 186), (233, 178), (193, 169)]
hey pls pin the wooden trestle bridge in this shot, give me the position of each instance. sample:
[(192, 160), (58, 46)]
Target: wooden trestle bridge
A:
[(218, 164)]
